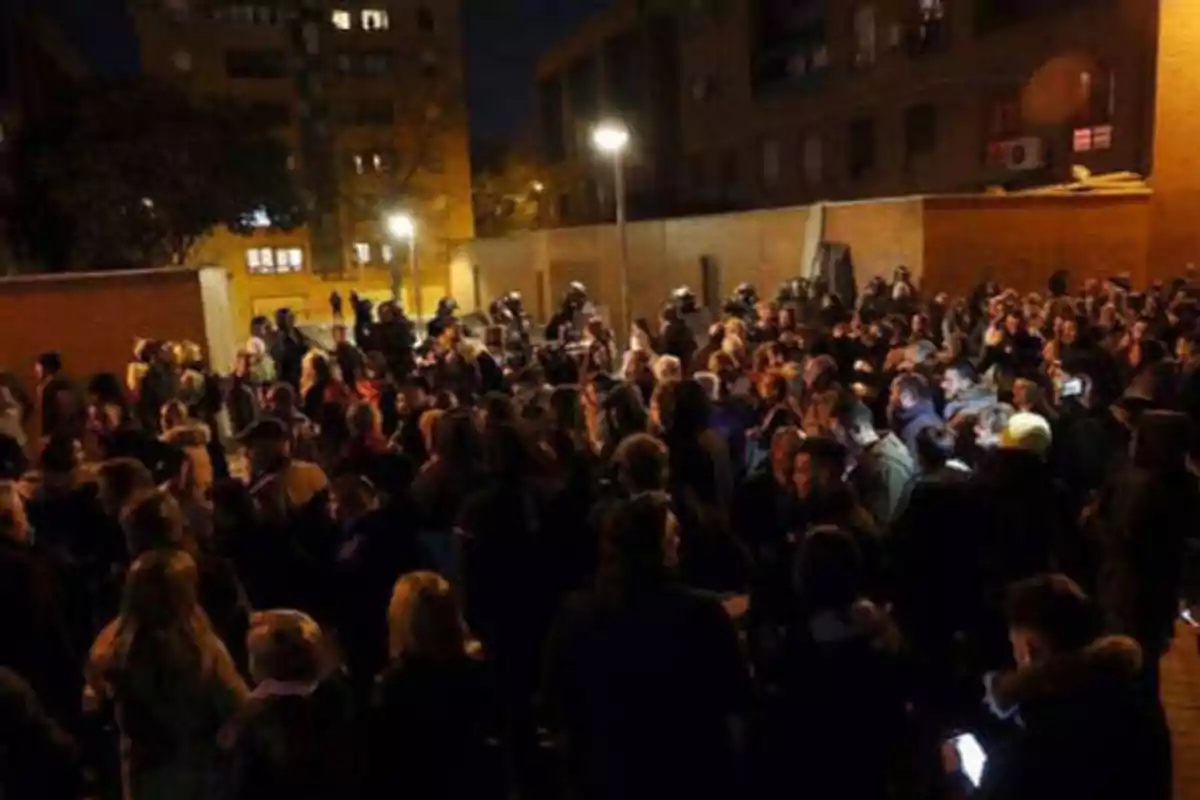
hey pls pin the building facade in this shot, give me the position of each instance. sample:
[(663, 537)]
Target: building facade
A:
[(783, 102), (790, 101), (621, 64), (368, 96)]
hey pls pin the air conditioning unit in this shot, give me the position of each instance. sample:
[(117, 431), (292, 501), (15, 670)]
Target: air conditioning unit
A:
[(1021, 155)]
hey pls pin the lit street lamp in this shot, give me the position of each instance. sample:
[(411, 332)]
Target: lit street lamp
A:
[(611, 138), (403, 226)]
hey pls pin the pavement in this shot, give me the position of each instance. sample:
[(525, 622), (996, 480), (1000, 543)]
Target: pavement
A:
[(1181, 698)]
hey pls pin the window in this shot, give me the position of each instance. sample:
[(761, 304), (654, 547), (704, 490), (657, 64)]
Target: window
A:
[(269, 115), (864, 37), (386, 253), (341, 19), (696, 176), (375, 19), (383, 160), (274, 261), (862, 147), (430, 64), (260, 259), (1004, 118), (702, 87), (375, 64), (729, 172), (362, 252), (425, 20), (814, 159), (255, 64), (770, 162), (920, 131), (373, 113)]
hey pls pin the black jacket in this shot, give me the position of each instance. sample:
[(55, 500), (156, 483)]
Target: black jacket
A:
[(1088, 729), (293, 745), (433, 732), (40, 761)]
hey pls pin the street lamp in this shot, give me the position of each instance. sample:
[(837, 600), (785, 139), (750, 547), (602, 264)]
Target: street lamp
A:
[(403, 226), (611, 138)]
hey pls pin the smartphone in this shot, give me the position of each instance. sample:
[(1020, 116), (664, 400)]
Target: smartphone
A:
[(1072, 387), (970, 756)]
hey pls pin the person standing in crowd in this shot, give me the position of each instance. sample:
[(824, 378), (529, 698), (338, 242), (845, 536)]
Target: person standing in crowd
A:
[(58, 398), (296, 734), (645, 682), (434, 724), (1087, 727), (170, 679), (35, 639)]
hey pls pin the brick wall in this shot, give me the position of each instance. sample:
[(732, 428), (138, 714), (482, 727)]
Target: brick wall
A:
[(93, 320), (1022, 241)]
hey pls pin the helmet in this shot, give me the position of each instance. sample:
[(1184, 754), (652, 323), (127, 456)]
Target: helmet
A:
[(576, 294), (746, 292), (683, 293), (512, 300), (447, 306)]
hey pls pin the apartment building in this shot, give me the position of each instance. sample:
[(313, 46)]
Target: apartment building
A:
[(782, 102), (368, 95), (789, 101), (621, 64)]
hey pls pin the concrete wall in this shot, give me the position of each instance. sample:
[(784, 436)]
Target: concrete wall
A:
[(949, 243)]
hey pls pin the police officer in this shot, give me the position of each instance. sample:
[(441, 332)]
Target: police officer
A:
[(446, 316), (565, 326)]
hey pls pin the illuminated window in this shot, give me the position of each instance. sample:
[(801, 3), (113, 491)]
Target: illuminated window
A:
[(374, 19), (289, 259), (342, 19), (274, 261), (386, 253), (362, 252), (260, 260)]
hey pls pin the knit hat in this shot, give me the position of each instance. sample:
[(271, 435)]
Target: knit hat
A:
[(1027, 432)]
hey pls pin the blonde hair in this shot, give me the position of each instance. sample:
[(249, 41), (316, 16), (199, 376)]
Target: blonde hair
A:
[(285, 645), (668, 368), (424, 618), (161, 628), (428, 425)]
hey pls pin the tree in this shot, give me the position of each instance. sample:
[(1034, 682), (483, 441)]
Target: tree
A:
[(427, 113), (506, 192), (135, 175)]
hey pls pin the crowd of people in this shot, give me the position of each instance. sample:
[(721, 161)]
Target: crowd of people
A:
[(806, 550)]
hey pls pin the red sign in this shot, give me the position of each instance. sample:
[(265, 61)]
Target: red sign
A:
[(1102, 137), (1083, 140)]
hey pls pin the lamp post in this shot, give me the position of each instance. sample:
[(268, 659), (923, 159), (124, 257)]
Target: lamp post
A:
[(403, 226), (611, 138)]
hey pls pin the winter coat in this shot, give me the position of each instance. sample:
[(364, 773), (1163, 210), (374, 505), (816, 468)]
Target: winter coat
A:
[(1087, 729)]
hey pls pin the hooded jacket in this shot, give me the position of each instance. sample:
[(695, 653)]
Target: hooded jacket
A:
[(1088, 729)]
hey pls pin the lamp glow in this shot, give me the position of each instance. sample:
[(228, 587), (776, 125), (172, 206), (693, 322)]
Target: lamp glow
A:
[(610, 137), (402, 226)]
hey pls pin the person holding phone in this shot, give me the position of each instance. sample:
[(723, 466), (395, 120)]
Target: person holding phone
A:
[(1085, 727)]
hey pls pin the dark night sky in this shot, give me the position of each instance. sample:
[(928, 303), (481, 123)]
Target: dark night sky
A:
[(502, 40)]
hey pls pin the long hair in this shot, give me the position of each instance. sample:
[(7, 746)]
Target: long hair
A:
[(424, 618), (161, 627)]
